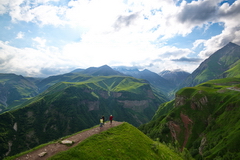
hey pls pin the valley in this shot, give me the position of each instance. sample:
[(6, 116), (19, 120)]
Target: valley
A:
[(193, 115)]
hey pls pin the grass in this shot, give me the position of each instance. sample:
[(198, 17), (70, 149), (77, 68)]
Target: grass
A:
[(121, 142)]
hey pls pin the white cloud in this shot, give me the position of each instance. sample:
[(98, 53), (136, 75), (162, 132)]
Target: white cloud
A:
[(198, 43), (174, 52), (31, 62), (3, 7), (40, 42), (20, 35), (49, 15)]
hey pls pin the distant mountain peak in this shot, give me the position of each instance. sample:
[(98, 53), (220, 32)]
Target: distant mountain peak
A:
[(215, 66), (104, 70), (231, 44), (105, 66)]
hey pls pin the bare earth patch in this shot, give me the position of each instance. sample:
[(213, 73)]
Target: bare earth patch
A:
[(53, 149)]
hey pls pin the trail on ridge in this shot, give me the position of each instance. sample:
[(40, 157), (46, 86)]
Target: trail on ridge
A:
[(54, 148)]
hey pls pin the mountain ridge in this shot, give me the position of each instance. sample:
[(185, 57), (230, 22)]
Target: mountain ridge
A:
[(215, 66)]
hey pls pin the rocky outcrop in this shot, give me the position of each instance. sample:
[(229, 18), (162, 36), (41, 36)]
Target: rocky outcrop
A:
[(187, 122), (135, 105), (180, 100), (175, 129), (92, 105), (116, 94), (203, 143), (104, 94)]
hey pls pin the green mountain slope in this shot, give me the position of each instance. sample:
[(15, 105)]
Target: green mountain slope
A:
[(14, 90), (204, 119), (68, 107), (219, 65), (121, 142), (233, 71)]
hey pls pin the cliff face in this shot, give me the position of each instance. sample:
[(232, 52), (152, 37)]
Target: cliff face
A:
[(203, 119)]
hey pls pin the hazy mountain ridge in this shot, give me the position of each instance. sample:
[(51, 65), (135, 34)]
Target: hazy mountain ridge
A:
[(175, 76), (104, 70)]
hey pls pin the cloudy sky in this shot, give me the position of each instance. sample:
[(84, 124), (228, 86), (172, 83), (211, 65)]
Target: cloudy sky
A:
[(48, 37)]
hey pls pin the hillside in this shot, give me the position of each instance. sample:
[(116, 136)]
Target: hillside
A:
[(233, 71), (68, 107), (221, 64), (14, 90), (159, 84), (204, 119), (121, 142)]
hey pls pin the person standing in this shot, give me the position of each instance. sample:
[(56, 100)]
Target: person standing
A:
[(111, 118), (101, 122), (103, 119)]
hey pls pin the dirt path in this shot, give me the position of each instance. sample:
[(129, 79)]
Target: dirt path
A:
[(53, 149)]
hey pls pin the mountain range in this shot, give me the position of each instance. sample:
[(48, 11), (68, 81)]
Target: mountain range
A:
[(35, 111), (223, 63)]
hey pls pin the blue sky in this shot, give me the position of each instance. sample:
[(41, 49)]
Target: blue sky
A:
[(49, 37)]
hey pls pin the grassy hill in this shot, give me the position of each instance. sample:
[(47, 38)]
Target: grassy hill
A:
[(121, 142), (204, 119)]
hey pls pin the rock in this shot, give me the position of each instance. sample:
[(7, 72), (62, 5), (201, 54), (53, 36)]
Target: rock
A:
[(66, 142), (42, 154)]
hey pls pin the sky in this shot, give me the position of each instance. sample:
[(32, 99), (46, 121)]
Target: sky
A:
[(40, 38)]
